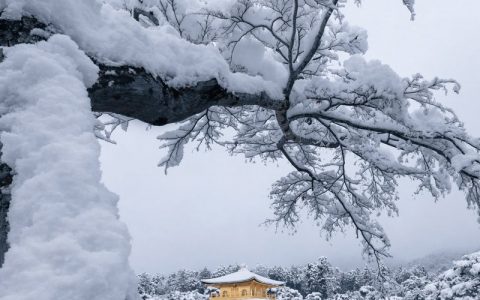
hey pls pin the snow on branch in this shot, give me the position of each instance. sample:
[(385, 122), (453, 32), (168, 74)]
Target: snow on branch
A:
[(349, 132)]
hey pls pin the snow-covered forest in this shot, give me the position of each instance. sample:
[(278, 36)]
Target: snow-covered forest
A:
[(269, 80), (320, 280)]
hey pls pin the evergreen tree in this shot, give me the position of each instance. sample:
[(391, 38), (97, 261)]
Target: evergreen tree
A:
[(412, 288), (350, 281), (286, 293), (205, 273), (145, 285), (184, 281), (294, 279), (319, 277), (160, 285), (278, 273), (224, 270), (261, 270), (460, 282)]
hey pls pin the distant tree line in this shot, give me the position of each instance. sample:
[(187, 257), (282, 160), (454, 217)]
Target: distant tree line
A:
[(320, 280)]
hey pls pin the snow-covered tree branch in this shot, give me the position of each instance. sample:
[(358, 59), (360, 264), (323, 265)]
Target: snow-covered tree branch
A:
[(349, 132), (286, 76)]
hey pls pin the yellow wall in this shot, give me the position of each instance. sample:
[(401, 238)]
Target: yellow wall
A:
[(249, 289)]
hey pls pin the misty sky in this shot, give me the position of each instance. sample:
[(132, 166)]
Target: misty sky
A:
[(207, 211)]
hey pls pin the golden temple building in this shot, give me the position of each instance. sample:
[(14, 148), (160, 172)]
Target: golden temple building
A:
[(242, 284)]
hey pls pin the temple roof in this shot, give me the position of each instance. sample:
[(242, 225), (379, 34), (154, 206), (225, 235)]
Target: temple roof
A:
[(242, 275)]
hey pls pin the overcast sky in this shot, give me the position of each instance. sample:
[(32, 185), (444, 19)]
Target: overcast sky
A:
[(207, 211)]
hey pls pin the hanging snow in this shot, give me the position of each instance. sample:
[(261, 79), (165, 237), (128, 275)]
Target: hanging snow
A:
[(65, 230)]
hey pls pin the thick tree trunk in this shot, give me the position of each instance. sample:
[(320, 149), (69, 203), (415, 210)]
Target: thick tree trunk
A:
[(134, 93)]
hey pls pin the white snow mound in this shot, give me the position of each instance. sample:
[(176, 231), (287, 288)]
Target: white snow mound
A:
[(65, 231), (112, 36)]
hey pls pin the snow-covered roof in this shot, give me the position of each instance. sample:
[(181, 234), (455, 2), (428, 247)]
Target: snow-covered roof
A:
[(242, 275)]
